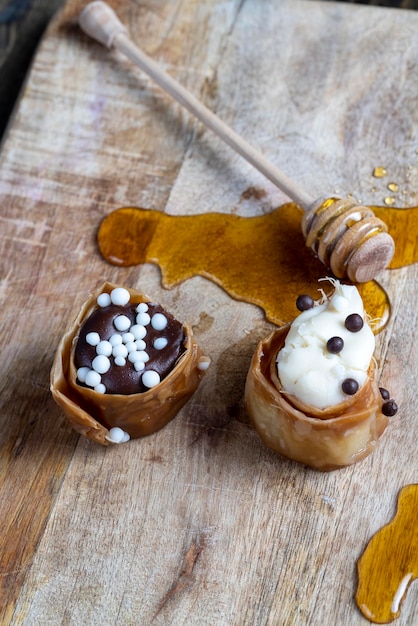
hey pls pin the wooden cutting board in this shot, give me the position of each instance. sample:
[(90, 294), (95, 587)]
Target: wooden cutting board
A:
[(198, 524)]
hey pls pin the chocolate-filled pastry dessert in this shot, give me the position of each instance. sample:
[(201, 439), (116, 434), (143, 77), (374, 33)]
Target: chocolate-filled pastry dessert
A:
[(312, 391), (125, 367)]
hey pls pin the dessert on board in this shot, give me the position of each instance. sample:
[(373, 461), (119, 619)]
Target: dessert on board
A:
[(312, 388), (125, 367)]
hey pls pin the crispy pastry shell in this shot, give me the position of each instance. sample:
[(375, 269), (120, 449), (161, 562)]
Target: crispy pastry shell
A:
[(92, 414), (323, 439)]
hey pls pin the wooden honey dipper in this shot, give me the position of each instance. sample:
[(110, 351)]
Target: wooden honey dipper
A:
[(347, 238)]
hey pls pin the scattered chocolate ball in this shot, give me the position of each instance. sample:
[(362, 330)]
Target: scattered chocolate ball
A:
[(384, 393), (304, 302), (349, 386), (354, 323), (335, 345), (389, 408)]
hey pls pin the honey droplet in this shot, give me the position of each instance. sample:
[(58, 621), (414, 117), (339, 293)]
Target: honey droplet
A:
[(393, 187), (261, 260), (380, 172), (389, 200), (390, 562)]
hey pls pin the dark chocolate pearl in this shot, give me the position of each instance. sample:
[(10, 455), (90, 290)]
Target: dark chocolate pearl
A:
[(335, 345), (354, 322), (384, 393), (389, 408), (349, 386), (304, 302)]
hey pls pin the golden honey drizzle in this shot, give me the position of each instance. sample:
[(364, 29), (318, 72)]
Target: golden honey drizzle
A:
[(390, 562), (261, 260)]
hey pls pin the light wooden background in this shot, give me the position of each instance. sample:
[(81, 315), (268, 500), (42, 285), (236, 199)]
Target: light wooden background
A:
[(198, 524)]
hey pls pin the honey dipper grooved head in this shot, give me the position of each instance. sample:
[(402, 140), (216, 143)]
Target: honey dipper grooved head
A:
[(370, 258), (348, 238)]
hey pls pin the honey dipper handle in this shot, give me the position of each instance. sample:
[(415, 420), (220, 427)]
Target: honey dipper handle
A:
[(100, 22)]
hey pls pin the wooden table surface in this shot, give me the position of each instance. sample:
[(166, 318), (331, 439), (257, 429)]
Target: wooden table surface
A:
[(198, 524)]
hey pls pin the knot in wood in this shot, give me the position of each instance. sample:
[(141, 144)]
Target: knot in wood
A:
[(348, 238)]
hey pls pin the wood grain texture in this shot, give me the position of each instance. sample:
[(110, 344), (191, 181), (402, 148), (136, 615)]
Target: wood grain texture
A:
[(198, 524)]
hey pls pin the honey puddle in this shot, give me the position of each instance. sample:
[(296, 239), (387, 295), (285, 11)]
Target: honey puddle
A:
[(390, 562), (261, 260)]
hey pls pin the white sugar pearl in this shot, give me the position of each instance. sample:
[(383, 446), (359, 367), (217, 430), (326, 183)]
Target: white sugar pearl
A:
[(160, 343), (82, 373), (115, 340), (127, 337), (120, 350), (138, 356), (140, 344), (93, 379), (117, 435), (122, 322), (150, 378), (139, 366), (138, 331), (143, 356), (104, 348), (203, 364), (101, 364), (143, 318), (339, 303), (92, 339), (159, 321), (119, 360), (103, 300), (120, 296), (142, 307), (100, 388), (131, 346)]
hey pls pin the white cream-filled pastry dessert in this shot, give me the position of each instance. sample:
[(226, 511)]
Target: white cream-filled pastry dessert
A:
[(312, 391), (326, 346)]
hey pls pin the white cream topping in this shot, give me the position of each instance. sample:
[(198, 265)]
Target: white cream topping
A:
[(307, 369)]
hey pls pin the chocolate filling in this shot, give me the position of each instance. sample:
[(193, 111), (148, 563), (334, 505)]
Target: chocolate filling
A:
[(124, 379)]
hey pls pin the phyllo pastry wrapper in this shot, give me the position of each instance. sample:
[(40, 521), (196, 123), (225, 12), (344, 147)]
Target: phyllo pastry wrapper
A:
[(93, 413), (325, 439)]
